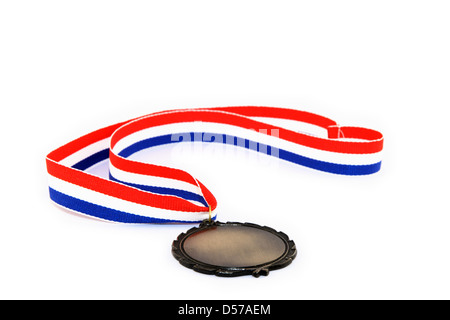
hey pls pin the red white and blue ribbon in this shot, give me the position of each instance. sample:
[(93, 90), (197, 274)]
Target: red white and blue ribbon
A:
[(138, 192)]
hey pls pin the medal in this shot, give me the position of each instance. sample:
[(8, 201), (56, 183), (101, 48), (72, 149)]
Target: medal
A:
[(233, 249), (138, 192)]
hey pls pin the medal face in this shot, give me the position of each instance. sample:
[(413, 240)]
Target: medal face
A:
[(233, 249)]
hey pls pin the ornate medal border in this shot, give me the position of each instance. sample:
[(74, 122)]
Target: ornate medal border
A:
[(263, 269)]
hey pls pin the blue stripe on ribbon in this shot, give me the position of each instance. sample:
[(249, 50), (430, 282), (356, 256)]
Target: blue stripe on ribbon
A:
[(91, 160), (104, 212), (344, 169), (147, 143)]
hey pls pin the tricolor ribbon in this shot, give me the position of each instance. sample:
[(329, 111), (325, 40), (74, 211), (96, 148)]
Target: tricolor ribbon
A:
[(138, 192)]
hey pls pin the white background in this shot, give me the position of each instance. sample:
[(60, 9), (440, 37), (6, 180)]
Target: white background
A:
[(70, 67)]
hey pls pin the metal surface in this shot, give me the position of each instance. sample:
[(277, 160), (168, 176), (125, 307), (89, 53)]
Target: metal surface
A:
[(233, 249)]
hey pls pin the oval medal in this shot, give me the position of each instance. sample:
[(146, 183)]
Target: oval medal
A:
[(233, 249)]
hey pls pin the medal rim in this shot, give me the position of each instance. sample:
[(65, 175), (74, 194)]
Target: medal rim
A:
[(184, 259)]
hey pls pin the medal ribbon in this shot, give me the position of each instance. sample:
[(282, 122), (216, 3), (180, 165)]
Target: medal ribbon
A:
[(138, 192)]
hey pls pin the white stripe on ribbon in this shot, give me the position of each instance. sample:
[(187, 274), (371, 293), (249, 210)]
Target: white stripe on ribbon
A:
[(176, 129), (122, 205), (86, 152), (146, 180)]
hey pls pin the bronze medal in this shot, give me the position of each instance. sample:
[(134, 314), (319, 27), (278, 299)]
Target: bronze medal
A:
[(233, 249)]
